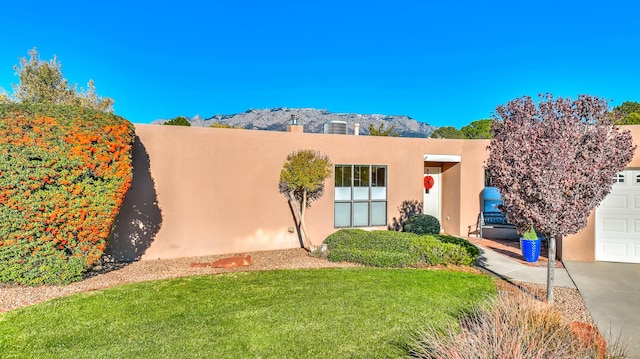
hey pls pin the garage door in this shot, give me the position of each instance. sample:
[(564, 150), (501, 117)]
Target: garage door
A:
[(618, 221)]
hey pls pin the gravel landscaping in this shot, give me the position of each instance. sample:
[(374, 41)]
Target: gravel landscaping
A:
[(567, 300)]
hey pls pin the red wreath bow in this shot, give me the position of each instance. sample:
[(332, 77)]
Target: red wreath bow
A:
[(428, 182)]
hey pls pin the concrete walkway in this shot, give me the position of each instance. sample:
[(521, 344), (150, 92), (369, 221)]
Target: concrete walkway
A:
[(506, 268), (611, 291)]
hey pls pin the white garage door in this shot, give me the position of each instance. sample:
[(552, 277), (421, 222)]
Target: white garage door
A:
[(618, 221)]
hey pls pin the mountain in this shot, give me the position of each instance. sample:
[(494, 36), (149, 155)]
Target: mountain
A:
[(313, 120)]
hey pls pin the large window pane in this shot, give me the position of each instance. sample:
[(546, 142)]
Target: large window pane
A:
[(378, 176), (361, 214), (342, 194), (342, 215), (378, 213), (378, 193), (338, 173), (348, 174), (342, 176), (361, 176), (361, 193)]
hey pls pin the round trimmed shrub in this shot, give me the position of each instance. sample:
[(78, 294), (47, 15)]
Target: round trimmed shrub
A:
[(422, 224)]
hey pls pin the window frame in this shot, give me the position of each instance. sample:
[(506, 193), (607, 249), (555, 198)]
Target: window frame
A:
[(364, 179)]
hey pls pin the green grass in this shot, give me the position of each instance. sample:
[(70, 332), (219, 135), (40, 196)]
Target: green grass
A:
[(319, 313)]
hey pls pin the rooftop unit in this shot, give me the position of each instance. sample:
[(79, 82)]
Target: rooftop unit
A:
[(335, 128)]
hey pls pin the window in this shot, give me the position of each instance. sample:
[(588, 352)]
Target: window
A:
[(360, 196), (618, 178), (488, 181)]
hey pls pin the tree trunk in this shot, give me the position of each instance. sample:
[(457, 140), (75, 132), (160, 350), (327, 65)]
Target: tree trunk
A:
[(551, 267), (300, 208), (303, 206), (305, 239)]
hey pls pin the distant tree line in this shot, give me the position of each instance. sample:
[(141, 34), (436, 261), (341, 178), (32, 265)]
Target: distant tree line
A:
[(628, 113), (183, 121), (480, 129), (178, 121)]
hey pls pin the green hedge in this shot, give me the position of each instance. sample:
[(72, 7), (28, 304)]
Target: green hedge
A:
[(422, 224), (469, 247), (433, 251), (375, 248), (63, 175), (373, 258), (398, 249)]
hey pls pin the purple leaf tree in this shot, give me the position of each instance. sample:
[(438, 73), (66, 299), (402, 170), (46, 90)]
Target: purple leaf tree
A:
[(554, 161)]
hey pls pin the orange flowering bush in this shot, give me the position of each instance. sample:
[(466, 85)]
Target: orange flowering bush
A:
[(64, 172)]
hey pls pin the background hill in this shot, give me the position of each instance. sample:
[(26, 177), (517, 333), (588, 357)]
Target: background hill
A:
[(313, 120)]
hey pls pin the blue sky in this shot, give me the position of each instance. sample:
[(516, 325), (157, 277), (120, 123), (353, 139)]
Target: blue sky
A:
[(446, 63)]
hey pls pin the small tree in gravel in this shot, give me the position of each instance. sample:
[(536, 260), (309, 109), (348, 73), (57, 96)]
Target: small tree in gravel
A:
[(554, 162), (302, 182)]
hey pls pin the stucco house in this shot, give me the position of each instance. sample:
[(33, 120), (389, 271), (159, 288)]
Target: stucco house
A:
[(201, 191)]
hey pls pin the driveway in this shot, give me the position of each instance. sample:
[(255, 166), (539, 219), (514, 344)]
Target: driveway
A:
[(611, 291)]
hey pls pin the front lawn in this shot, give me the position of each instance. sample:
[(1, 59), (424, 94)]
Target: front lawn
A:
[(318, 313)]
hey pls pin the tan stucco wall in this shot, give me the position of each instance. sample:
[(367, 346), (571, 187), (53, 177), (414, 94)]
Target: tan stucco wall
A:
[(472, 181), (200, 191), (216, 190), (582, 245), (450, 203)]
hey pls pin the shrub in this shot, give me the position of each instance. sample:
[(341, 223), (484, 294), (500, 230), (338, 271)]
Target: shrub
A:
[(432, 251), (397, 249), (422, 224), (374, 248), (377, 240), (36, 270), (64, 172), (468, 246), (510, 326), (374, 258)]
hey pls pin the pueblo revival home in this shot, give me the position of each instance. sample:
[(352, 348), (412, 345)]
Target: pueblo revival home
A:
[(202, 191)]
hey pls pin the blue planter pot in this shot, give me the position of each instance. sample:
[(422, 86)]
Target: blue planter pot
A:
[(530, 249)]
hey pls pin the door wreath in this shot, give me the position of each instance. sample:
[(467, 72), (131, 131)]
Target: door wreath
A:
[(428, 183)]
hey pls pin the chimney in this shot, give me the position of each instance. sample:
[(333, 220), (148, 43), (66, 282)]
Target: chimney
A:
[(356, 129), (294, 126)]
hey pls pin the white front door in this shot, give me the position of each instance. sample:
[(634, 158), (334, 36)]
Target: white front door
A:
[(431, 200), (618, 221)]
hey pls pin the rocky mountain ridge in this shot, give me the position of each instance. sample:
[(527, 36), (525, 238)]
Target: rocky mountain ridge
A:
[(313, 120)]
